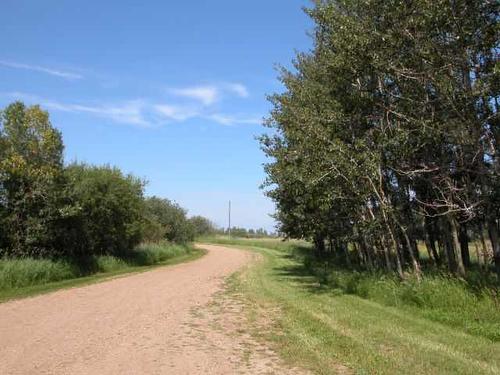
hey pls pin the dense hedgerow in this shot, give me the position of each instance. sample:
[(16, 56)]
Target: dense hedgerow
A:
[(49, 210)]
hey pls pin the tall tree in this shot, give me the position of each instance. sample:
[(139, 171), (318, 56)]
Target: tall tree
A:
[(31, 181), (392, 116)]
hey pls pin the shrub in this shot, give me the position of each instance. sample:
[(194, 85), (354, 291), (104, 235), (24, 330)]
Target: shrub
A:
[(172, 219), (111, 209), (201, 226)]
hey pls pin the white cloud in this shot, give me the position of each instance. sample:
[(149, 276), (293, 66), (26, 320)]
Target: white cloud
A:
[(207, 95), (224, 119), (137, 112), (237, 88), (131, 112), (127, 113), (41, 69), (176, 113), (210, 94)]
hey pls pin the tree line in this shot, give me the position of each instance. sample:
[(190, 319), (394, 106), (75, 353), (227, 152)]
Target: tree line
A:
[(49, 209), (387, 135), (246, 233)]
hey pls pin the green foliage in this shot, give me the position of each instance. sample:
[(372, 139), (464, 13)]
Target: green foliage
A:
[(454, 302), (471, 305), (22, 272), (388, 132), (153, 253), (201, 226), (26, 272), (247, 233), (172, 219), (280, 244), (329, 331), (48, 210), (110, 208), (34, 212), (153, 230)]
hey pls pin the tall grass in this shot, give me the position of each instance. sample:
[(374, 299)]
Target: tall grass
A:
[(26, 272), (18, 273), (436, 297), (471, 304)]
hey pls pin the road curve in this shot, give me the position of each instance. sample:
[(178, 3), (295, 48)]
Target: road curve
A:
[(138, 324)]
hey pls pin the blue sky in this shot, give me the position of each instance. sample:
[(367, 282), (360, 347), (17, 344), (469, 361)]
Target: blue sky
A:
[(171, 91)]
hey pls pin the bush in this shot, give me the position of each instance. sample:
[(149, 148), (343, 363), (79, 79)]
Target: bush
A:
[(201, 226), (148, 254), (111, 209), (49, 211), (172, 219)]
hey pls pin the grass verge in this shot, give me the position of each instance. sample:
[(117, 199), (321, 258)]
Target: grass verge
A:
[(27, 277), (325, 328)]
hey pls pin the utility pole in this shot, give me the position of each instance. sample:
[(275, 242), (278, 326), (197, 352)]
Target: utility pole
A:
[(229, 228)]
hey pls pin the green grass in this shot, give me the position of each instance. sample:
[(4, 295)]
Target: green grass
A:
[(370, 325), (26, 277)]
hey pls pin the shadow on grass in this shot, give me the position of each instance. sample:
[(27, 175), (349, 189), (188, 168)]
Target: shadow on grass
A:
[(331, 275), (473, 305), (300, 273)]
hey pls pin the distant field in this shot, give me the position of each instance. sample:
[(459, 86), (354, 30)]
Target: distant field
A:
[(331, 321)]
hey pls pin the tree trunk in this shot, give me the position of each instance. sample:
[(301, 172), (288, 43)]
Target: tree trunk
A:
[(495, 244), (319, 245), (430, 232), (395, 246), (331, 247), (429, 250), (464, 244), (414, 245), (387, 256), (361, 256), (411, 250), (367, 252), (486, 253), (393, 242), (447, 245), (345, 248), (480, 261), (385, 244), (460, 269)]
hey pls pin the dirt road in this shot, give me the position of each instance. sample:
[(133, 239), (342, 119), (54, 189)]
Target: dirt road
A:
[(157, 322)]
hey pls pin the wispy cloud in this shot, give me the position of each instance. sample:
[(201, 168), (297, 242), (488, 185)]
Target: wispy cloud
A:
[(238, 89), (176, 113), (206, 94), (131, 112), (36, 68), (225, 119), (139, 112), (210, 94)]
